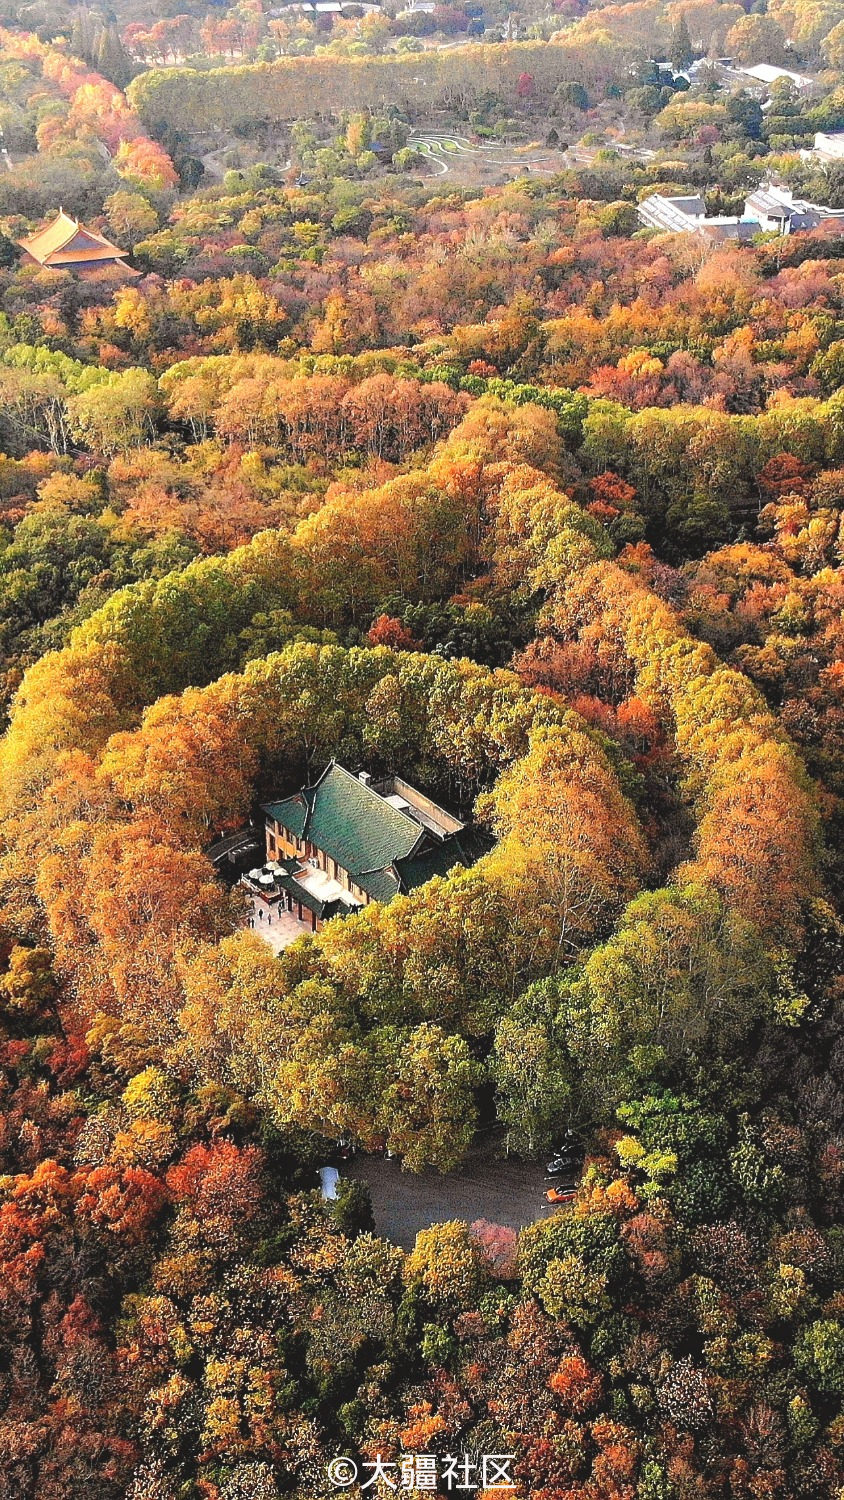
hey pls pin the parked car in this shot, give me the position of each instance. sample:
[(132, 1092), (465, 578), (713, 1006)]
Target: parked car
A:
[(564, 1161), (565, 1193)]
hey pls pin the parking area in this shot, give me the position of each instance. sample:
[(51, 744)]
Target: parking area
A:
[(487, 1186)]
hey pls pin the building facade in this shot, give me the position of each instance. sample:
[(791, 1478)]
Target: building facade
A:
[(345, 840), (770, 209)]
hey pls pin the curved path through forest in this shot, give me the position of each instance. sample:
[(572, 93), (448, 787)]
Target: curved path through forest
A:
[(439, 147)]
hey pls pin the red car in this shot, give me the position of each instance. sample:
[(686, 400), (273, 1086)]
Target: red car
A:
[(561, 1194)]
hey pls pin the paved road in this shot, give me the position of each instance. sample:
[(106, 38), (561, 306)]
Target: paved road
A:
[(486, 1187)]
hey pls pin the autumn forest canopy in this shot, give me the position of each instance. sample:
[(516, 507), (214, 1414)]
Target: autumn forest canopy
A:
[(350, 412)]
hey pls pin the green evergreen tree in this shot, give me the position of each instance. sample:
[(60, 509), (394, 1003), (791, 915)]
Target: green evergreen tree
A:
[(680, 51), (82, 36), (112, 59)]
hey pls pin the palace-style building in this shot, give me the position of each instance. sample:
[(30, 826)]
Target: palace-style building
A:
[(345, 840)]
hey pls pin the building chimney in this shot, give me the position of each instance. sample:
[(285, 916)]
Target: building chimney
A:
[(365, 777)]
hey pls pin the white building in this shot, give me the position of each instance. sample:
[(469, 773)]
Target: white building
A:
[(769, 209), (777, 209), (688, 216), (828, 147), (730, 74), (767, 73)]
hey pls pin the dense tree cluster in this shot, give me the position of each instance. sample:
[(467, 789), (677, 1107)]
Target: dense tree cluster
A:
[(290, 88), (60, 113), (487, 489), (680, 1328)]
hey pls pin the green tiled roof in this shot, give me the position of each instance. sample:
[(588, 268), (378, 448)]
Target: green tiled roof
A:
[(458, 849), (292, 813), (343, 816), (380, 885), (384, 849)]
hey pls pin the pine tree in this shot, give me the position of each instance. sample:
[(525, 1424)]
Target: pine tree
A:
[(681, 51), (112, 59), (82, 36)]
